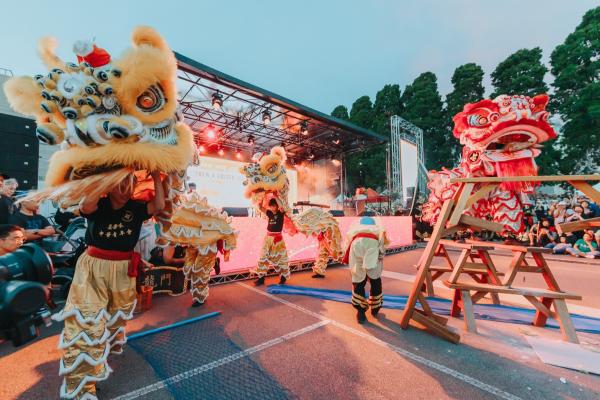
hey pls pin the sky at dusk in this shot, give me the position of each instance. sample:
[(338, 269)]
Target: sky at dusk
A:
[(320, 53)]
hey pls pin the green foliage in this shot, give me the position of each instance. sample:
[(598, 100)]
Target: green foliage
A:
[(340, 112), (423, 107), (521, 73), (576, 66), (388, 102), (467, 82)]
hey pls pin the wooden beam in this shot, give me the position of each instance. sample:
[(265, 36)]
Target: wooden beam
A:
[(541, 178), (578, 225), (436, 328), (468, 313), (480, 223), (541, 307), (588, 190), (425, 262), (480, 194), (460, 204), (564, 320)]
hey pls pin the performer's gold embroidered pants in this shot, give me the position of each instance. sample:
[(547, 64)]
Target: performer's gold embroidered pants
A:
[(273, 253), (197, 269), (101, 299), (322, 259)]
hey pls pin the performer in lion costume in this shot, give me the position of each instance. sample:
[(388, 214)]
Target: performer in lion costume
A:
[(112, 118), (266, 178), (204, 232)]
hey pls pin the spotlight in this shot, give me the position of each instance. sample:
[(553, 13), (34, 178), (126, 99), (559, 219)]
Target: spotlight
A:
[(217, 100), (336, 162), (202, 149), (266, 116), (221, 151), (311, 156), (304, 128), (238, 154), (211, 132), (336, 140), (251, 140)]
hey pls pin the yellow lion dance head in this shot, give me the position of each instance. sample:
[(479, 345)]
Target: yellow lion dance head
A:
[(110, 117)]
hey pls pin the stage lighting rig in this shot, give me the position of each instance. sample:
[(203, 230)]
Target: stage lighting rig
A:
[(304, 128), (266, 117), (217, 100), (251, 140)]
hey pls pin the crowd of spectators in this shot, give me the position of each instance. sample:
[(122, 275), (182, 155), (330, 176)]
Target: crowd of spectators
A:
[(542, 226)]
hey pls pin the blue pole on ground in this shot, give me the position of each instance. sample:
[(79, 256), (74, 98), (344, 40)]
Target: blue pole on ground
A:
[(175, 325)]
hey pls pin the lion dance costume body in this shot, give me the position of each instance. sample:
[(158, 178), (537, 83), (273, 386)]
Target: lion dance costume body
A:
[(266, 178), (204, 232), (111, 118), (501, 137)]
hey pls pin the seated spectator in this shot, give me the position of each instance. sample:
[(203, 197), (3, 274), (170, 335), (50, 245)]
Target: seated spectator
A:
[(36, 226), (542, 234), (562, 247), (577, 214), (587, 211), (6, 201), (560, 213), (63, 218), (586, 247), (11, 238)]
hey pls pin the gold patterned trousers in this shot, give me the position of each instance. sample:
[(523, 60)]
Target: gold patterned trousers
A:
[(101, 299), (322, 259), (273, 253), (197, 270)]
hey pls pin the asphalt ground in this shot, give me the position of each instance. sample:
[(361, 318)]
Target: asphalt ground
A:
[(265, 346)]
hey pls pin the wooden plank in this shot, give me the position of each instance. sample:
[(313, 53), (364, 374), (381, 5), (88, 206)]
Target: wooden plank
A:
[(425, 262), (468, 313), (513, 268), (491, 268), (460, 204), (523, 291), (480, 223), (480, 194), (588, 190), (462, 258), (437, 318), (564, 320), (436, 328), (540, 178), (532, 250), (541, 318), (429, 284), (495, 245), (551, 281), (578, 225), (541, 307), (470, 246)]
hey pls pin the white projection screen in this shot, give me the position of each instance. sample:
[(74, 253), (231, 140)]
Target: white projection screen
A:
[(408, 155)]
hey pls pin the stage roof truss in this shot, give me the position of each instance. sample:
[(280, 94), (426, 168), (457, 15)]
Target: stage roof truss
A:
[(241, 117)]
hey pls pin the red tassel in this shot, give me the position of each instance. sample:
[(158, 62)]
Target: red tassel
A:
[(517, 167)]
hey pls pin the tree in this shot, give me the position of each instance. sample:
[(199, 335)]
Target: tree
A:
[(521, 73), (423, 107), (467, 81), (388, 102), (576, 66), (340, 112), (365, 168)]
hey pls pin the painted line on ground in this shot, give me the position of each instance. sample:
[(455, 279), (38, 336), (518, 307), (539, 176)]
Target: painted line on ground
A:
[(222, 361), (405, 353)]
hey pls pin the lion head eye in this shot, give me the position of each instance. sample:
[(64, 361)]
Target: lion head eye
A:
[(151, 100)]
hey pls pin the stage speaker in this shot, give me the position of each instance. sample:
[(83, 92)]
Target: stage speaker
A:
[(337, 213), (236, 211)]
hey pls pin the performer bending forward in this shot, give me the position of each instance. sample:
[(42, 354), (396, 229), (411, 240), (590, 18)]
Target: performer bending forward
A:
[(273, 251), (103, 293), (364, 255)]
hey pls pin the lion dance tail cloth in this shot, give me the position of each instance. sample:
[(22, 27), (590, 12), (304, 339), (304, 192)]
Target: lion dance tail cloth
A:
[(501, 137), (204, 232), (111, 118), (266, 178)]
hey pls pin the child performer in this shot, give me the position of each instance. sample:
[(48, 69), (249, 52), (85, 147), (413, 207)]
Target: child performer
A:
[(273, 251), (103, 293), (365, 249)]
